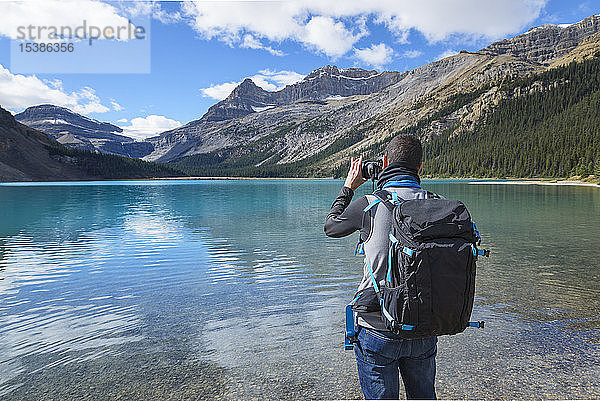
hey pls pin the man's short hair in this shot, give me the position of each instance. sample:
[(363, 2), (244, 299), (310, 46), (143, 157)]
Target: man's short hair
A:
[(406, 149)]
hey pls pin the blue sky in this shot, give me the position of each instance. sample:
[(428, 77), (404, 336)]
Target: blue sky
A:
[(200, 50)]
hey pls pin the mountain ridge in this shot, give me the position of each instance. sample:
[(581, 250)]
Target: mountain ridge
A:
[(556, 41), (325, 135), (78, 131), (27, 154), (326, 81), (335, 112)]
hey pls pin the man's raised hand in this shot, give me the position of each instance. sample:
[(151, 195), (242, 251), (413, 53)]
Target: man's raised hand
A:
[(355, 178)]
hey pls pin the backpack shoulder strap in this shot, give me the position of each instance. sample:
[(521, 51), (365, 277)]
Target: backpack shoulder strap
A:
[(388, 198), (382, 194)]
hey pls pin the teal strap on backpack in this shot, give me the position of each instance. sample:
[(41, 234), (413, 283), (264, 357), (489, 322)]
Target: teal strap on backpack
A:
[(389, 271), (385, 311), (375, 286), (360, 248), (477, 233), (376, 201), (393, 241), (388, 316)]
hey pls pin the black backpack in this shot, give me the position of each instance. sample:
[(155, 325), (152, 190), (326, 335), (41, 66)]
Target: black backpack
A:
[(430, 280)]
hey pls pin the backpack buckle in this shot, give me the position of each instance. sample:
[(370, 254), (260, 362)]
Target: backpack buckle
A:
[(480, 252), (360, 248), (408, 251)]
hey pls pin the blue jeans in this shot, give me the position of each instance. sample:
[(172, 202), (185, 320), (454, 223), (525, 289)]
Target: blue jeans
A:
[(380, 355)]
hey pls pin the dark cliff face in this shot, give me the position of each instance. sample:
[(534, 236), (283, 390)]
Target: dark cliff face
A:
[(327, 81), (27, 154), (74, 130), (6, 119), (24, 154), (546, 43)]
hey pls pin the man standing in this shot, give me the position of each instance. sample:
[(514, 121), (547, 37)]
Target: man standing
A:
[(381, 355)]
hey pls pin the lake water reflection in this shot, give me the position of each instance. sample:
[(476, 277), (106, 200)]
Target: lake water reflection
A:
[(230, 289)]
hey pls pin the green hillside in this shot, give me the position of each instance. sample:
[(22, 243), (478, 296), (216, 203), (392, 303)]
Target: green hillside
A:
[(27, 154), (554, 132), (107, 166)]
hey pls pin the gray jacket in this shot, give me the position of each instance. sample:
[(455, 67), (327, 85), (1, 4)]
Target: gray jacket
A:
[(346, 217)]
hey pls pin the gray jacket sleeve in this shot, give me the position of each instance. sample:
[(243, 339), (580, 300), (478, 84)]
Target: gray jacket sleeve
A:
[(345, 216)]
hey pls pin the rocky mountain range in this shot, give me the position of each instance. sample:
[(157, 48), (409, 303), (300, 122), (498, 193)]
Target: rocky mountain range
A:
[(27, 154), (307, 98), (313, 126), (547, 42), (323, 83), (328, 82), (296, 126), (74, 130)]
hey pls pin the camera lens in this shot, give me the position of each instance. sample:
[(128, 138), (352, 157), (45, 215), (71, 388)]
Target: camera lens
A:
[(371, 169), (366, 170)]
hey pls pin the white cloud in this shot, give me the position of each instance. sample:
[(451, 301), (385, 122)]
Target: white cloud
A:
[(376, 55), (166, 17), (267, 79), (272, 20), (56, 13), (333, 27), (146, 127), (150, 8), (122, 120), (219, 91), (250, 42), (412, 53), (54, 83), (446, 53), (88, 102), (21, 91), (227, 20), (115, 106), (439, 19), (326, 26), (275, 80), (328, 36)]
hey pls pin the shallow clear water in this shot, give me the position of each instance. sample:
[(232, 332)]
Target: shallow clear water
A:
[(230, 289)]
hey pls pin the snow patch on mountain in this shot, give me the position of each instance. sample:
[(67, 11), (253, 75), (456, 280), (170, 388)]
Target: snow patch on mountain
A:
[(259, 109)]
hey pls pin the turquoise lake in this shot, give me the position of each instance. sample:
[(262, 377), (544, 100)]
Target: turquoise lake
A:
[(229, 289)]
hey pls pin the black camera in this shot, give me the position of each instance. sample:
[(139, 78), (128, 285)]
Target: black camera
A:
[(371, 169)]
